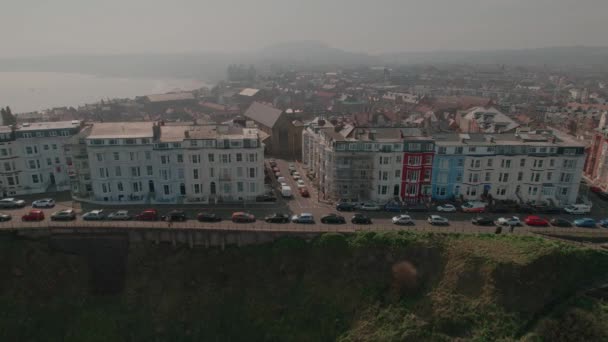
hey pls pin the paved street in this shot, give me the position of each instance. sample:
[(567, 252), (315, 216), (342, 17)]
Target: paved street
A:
[(459, 222)]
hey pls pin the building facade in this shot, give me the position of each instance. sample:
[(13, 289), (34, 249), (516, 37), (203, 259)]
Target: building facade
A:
[(596, 166), (527, 167), (156, 163), (33, 157)]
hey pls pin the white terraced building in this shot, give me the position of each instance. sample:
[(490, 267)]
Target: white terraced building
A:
[(156, 163), (35, 157)]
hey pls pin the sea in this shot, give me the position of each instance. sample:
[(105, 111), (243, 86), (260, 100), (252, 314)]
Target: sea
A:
[(34, 91)]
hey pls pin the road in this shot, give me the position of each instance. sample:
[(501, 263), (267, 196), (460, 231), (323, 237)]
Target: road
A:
[(459, 222)]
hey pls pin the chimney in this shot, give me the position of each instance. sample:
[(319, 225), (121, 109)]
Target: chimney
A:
[(372, 134), (156, 131), (187, 134)]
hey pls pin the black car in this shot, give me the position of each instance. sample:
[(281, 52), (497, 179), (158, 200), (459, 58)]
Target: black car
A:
[(482, 221), (417, 208), (500, 209), (560, 222), (266, 198), (526, 209), (345, 206), (546, 209), (175, 215), (208, 217), (5, 217), (333, 219), (277, 218), (361, 219)]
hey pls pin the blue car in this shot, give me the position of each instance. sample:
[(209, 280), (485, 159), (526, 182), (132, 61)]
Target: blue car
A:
[(604, 223), (394, 207), (585, 222)]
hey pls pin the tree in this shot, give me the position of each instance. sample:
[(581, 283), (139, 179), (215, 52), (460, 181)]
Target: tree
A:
[(7, 116)]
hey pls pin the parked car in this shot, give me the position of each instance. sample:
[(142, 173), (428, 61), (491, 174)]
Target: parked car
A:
[(577, 209), (286, 191), (393, 206), (5, 217), (603, 195), (9, 203), (333, 219), (560, 222), (403, 220), (345, 206), (147, 215), (536, 221), (438, 220), (275, 169), (243, 217), (120, 215), (63, 215), (208, 217), (303, 218), (585, 222), (418, 208), (300, 183), (499, 209), (296, 176), (359, 218), (473, 207), (43, 203), (446, 208), (603, 223), (94, 215), (548, 209), (304, 192), (33, 215), (281, 179), (508, 221), (266, 198), (482, 221), (277, 174), (175, 215), (369, 206), (277, 218)]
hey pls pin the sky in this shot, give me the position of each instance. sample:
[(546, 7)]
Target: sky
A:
[(43, 27)]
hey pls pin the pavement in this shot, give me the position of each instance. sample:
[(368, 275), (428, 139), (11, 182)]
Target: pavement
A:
[(459, 222)]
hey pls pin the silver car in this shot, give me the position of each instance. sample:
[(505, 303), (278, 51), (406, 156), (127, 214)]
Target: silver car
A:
[(121, 215), (11, 203), (43, 203)]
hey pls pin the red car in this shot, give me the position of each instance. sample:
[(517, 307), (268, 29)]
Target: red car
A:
[(536, 221), (147, 215), (243, 217), (33, 215), (304, 192)]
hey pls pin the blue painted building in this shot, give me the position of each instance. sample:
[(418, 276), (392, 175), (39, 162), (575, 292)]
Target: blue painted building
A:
[(448, 167)]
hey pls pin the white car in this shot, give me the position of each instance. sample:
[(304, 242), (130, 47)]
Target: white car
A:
[(296, 177), (94, 215), (121, 215), (403, 219), (11, 203), (301, 183), (446, 208), (303, 218), (281, 180), (43, 203), (369, 206), (508, 221), (438, 220)]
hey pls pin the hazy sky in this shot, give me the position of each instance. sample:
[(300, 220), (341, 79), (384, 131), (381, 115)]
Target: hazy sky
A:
[(41, 27)]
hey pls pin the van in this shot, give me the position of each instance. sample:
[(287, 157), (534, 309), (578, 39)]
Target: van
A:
[(577, 209), (286, 191), (473, 207)]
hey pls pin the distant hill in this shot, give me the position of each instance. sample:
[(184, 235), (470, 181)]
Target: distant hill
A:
[(564, 56), (211, 67)]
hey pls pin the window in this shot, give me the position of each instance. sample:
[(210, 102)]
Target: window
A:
[(149, 170), (120, 187), (29, 150), (522, 162), (252, 172), (411, 189), (473, 177), (57, 160), (27, 135), (564, 191), (442, 177), (442, 150), (506, 163), (239, 187), (180, 158), (49, 161), (503, 177), (211, 157), (118, 171), (444, 164), (45, 147), (195, 173), (112, 142), (102, 172), (180, 173), (35, 179), (490, 161), (99, 157), (549, 176), (167, 189), (472, 149), (197, 188), (252, 187), (196, 158), (414, 161), (551, 162), (397, 173), (413, 147), (31, 164), (135, 171), (441, 191), (104, 188), (460, 162), (569, 163), (211, 172), (253, 157), (520, 176), (532, 190), (428, 160), (398, 159), (164, 159), (165, 174), (458, 177), (136, 186), (538, 163), (54, 146), (566, 178), (487, 177), (7, 166), (239, 157), (148, 155), (535, 177), (427, 175), (224, 158), (458, 150), (11, 181), (412, 176)]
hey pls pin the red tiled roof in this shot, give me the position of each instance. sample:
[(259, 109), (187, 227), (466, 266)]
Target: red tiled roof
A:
[(325, 94)]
